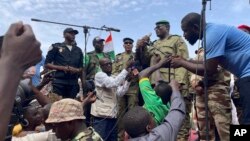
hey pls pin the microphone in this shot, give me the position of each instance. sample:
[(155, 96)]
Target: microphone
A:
[(111, 28), (114, 29)]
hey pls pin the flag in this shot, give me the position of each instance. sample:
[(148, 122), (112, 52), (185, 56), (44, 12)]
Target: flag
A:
[(109, 48)]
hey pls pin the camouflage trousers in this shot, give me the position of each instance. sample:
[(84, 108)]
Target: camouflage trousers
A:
[(219, 114), (126, 103)]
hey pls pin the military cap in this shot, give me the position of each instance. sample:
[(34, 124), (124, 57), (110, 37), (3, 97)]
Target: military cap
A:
[(65, 110), (244, 27), (162, 22), (128, 39), (98, 39), (70, 30)]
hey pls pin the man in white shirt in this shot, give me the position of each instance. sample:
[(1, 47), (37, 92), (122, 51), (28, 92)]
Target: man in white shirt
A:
[(104, 110)]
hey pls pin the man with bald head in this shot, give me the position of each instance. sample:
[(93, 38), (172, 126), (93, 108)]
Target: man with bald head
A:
[(104, 110), (225, 46)]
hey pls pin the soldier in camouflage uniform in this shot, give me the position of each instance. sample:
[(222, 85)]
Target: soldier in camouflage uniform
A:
[(167, 45), (91, 60), (219, 103), (67, 117), (91, 67), (130, 99)]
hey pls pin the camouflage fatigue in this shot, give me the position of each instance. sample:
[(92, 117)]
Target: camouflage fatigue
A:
[(219, 103), (130, 99), (91, 62), (174, 45), (88, 135)]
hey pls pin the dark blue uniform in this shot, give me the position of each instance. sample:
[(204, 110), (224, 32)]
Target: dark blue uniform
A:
[(64, 83)]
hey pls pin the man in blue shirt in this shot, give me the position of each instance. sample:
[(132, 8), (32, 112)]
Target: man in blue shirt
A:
[(225, 46)]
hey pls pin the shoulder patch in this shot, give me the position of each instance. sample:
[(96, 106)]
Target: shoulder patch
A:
[(56, 44), (174, 36)]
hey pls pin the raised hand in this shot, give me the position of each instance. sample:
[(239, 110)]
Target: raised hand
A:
[(175, 85), (20, 46)]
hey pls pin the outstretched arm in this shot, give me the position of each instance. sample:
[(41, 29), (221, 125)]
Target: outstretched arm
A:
[(148, 71), (195, 67)]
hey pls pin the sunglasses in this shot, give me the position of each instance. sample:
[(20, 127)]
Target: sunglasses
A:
[(127, 43)]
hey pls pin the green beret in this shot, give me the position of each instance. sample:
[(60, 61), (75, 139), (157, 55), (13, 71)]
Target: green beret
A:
[(128, 39), (162, 22)]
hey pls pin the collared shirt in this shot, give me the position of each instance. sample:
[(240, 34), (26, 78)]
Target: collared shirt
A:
[(103, 80), (59, 54), (169, 129), (107, 90)]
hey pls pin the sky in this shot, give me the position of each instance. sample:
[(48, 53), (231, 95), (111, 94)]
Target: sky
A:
[(135, 18)]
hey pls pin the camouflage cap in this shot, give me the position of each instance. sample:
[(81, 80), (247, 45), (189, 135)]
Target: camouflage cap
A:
[(162, 22), (128, 39), (65, 110)]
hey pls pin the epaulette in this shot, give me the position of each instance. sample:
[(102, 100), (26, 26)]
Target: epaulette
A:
[(56, 45), (175, 35)]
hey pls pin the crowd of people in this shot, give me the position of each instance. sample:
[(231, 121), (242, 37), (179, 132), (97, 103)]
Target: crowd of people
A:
[(146, 95)]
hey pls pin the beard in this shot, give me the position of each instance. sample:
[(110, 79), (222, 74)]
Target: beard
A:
[(99, 49), (193, 40)]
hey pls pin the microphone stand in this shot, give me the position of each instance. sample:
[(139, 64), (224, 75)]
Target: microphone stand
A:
[(85, 31), (203, 26)]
